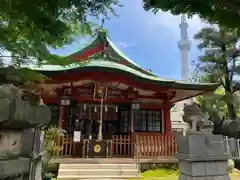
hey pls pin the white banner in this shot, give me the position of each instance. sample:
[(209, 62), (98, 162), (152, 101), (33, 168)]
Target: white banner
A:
[(76, 136)]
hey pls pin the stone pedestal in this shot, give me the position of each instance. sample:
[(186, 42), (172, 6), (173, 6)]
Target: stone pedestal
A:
[(202, 156)]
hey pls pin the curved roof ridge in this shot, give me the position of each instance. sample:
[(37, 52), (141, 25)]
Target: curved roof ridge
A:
[(125, 57), (102, 38), (90, 43)]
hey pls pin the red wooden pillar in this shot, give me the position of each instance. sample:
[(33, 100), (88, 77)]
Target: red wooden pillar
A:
[(64, 121), (63, 115), (167, 121), (132, 120), (167, 117)]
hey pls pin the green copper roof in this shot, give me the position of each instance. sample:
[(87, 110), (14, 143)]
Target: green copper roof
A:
[(117, 61), (103, 63), (97, 63), (117, 55)]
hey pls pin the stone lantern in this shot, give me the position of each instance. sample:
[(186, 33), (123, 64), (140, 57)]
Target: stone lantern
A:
[(20, 120)]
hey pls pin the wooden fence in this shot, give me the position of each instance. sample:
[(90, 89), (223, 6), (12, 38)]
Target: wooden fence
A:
[(149, 145)]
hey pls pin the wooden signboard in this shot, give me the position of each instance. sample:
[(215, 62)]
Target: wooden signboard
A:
[(92, 91)]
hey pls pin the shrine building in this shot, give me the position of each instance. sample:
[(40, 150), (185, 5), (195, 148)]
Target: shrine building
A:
[(112, 98)]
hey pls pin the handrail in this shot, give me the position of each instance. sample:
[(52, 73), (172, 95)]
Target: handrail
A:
[(136, 158)]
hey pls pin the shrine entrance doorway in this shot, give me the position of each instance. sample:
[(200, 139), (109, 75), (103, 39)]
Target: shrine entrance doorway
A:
[(85, 118)]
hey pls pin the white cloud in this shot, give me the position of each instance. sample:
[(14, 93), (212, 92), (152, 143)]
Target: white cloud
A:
[(161, 22), (125, 44), (168, 21)]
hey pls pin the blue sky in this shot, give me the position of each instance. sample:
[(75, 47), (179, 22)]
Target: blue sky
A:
[(148, 39)]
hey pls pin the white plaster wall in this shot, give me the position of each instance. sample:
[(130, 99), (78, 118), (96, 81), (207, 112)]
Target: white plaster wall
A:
[(176, 117)]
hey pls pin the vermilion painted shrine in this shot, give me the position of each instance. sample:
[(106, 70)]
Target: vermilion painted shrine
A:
[(114, 100)]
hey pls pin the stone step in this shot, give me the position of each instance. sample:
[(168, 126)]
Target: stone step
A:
[(103, 179), (97, 172), (95, 161), (97, 166), (97, 177), (100, 178)]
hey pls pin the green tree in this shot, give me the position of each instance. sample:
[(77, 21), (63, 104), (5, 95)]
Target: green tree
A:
[(213, 103), (29, 28), (218, 63), (223, 12)]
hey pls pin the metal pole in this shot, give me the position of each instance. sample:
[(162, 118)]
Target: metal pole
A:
[(238, 148), (90, 119), (32, 170), (100, 121)]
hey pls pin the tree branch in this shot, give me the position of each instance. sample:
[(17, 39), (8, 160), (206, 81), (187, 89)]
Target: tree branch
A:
[(230, 5)]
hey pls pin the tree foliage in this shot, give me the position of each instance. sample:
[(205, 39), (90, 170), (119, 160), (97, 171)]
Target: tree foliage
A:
[(51, 147), (29, 28), (217, 64), (223, 12), (213, 104)]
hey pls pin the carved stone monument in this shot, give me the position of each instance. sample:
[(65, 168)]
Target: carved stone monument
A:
[(201, 155), (20, 135)]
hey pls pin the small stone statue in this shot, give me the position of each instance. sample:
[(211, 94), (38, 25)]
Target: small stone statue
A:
[(194, 115), (196, 118)]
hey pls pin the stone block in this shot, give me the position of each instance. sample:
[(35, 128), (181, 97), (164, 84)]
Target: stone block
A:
[(197, 169), (223, 177), (211, 168), (14, 167), (10, 144), (202, 156), (19, 114), (197, 178), (222, 167), (182, 177), (28, 142), (4, 109), (201, 143), (32, 142), (209, 178), (192, 169), (203, 168), (20, 143), (16, 143), (215, 144), (185, 177)]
